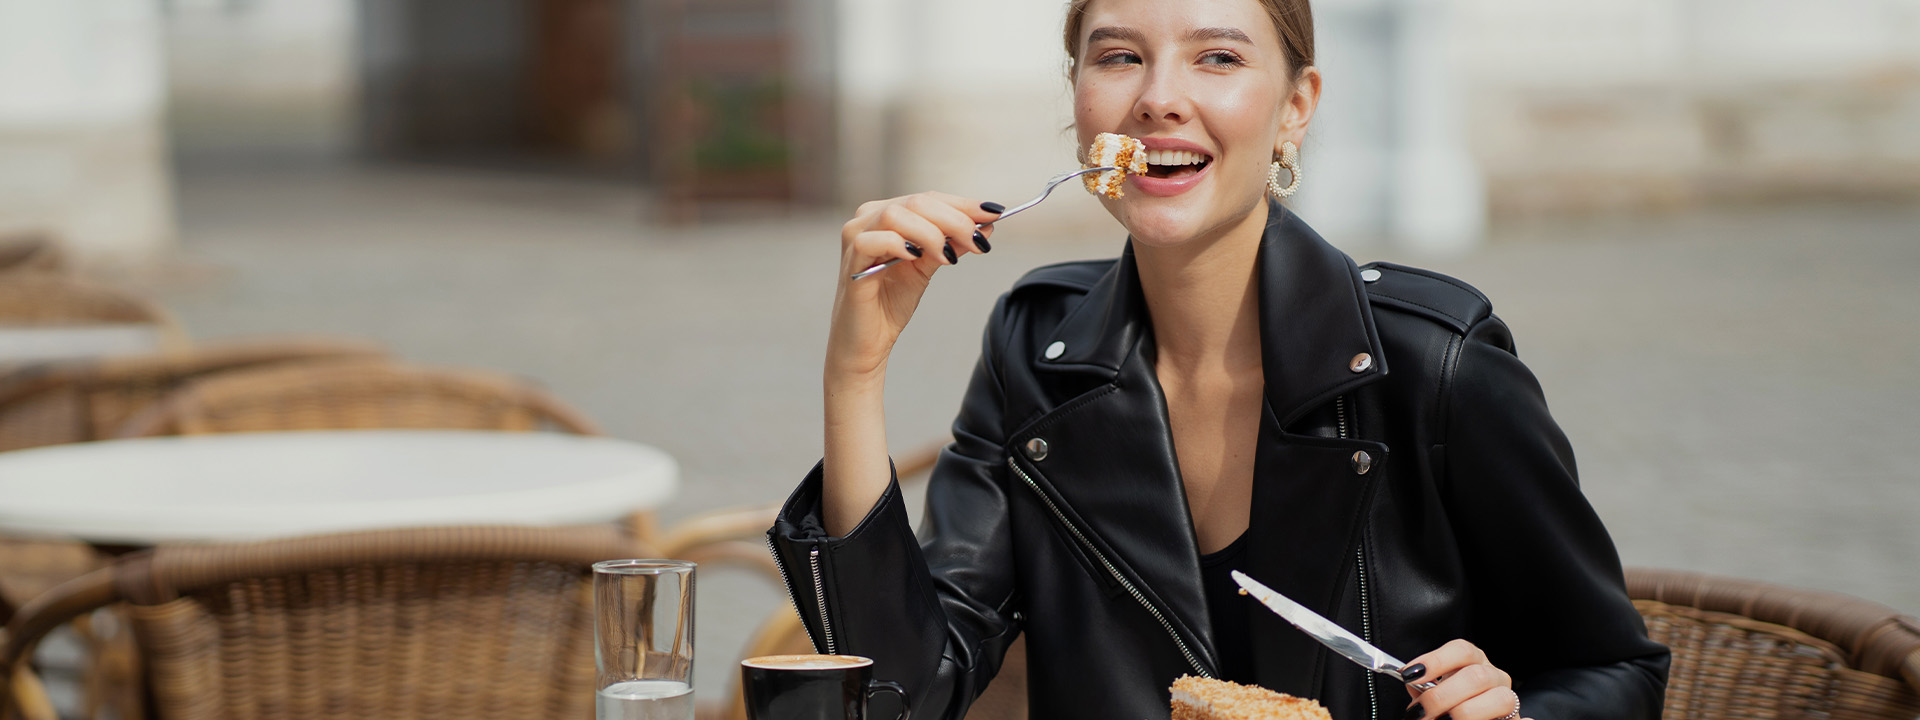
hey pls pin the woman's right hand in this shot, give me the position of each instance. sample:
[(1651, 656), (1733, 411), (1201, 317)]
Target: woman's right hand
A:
[(869, 313)]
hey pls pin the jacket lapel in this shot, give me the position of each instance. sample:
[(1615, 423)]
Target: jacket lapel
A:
[(1111, 467), (1110, 462)]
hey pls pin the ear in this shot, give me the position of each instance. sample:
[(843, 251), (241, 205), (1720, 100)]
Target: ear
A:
[(1299, 107)]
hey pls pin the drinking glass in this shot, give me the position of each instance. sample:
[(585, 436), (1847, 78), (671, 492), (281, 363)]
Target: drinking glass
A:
[(643, 639)]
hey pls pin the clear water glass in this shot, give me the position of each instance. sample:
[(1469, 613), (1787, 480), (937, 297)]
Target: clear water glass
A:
[(643, 639)]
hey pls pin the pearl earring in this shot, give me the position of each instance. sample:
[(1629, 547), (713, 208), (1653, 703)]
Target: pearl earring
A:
[(1289, 161)]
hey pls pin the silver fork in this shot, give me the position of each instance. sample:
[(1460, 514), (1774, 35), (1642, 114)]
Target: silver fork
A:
[(1048, 190)]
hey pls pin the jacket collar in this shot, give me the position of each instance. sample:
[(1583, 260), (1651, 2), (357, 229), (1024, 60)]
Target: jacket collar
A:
[(1314, 320)]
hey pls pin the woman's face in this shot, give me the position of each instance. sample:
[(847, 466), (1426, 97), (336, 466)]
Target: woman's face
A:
[(1201, 80)]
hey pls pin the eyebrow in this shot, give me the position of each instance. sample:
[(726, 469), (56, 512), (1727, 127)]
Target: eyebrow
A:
[(1219, 33), (1196, 35)]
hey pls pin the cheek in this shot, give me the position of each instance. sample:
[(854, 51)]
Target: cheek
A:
[(1246, 113)]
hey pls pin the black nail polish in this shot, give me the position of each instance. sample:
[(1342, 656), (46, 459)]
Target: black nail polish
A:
[(952, 257), (1416, 711), (981, 242), (1413, 672), (914, 250), (1445, 716), (993, 207)]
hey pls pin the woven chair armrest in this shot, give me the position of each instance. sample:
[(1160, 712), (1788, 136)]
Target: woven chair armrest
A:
[(719, 526), (27, 697), (34, 620), (1876, 638)]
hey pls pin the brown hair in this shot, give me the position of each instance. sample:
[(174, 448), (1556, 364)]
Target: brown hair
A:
[(1293, 18)]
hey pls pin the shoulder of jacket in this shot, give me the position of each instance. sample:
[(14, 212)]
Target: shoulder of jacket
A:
[(1427, 294), (1077, 276)]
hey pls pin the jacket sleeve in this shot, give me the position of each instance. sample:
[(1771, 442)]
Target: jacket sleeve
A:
[(935, 614), (1549, 601)]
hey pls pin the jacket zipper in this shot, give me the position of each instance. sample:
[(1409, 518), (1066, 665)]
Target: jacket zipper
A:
[(820, 593), (813, 561), (1360, 565), (1198, 669)]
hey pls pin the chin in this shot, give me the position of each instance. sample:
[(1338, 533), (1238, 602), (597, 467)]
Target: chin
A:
[(1167, 222)]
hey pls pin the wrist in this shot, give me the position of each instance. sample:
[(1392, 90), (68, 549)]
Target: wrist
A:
[(853, 379)]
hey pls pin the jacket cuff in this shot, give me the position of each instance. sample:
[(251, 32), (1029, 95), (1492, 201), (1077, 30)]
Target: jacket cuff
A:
[(879, 559), (802, 519)]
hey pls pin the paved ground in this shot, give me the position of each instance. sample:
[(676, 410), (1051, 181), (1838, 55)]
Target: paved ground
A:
[(1742, 385)]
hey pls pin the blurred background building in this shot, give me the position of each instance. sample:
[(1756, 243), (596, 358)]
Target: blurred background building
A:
[(1437, 114)]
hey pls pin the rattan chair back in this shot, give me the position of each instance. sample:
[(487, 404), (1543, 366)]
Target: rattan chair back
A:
[(45, 298), (31, 252), (356, 395), (478, 622), (78, 401), (1748, 649)]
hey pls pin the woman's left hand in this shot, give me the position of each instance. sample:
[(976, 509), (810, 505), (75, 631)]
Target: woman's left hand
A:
[(1470, 687)]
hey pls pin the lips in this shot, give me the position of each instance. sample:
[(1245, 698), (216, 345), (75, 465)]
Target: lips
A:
[(1174, 166)]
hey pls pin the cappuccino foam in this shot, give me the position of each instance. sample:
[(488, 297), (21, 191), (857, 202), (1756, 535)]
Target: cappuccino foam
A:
[(806, 662)]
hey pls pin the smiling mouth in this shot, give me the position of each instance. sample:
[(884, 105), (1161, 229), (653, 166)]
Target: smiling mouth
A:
[(1175, 164)]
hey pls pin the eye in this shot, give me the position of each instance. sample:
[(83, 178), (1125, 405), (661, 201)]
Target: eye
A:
[(1222, 58), (1117, 57)]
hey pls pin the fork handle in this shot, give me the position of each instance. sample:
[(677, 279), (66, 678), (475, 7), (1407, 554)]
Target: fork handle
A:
[(877, 267)]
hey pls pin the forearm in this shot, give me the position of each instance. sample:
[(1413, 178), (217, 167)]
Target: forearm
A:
[(856, 466)]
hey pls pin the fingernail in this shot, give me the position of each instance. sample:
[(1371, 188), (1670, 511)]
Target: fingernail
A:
[(981, 241), (1416, 711), (993, 207), (952, 257), (1413, 672), (915, 251), (1445, 716)]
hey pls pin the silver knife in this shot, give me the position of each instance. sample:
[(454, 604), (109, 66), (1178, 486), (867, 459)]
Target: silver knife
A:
[(1329, 634)]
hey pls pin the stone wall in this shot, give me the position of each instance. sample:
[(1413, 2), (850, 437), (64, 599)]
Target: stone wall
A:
[(82, 149)]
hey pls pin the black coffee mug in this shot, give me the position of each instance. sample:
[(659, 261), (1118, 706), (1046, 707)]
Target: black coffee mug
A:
[(812, 687)]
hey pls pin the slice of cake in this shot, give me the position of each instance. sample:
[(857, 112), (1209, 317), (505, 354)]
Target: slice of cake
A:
[(1120, 151), (1203, 699)]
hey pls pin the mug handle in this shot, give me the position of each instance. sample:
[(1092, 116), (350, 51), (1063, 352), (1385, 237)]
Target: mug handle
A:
[(874, 686)]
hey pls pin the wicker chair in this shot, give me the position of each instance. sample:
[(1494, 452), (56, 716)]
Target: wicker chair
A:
[(479, 622), (1748, 649), (46, 298), (30, 252), (78, 401), (354, 395)]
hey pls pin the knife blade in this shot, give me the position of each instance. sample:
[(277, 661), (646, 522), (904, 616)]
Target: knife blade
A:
[(1336, 638)]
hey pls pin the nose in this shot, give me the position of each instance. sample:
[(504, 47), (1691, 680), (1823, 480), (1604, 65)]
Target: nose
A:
[(1163, 97)]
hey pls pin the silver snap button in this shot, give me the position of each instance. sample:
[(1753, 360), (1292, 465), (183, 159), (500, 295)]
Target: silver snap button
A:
[(1370, 275), (1362, 462), (1055, 350), (1037, 449), (1361, 363)]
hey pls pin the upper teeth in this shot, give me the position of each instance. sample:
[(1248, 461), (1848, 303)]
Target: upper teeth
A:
[(1174, 157)]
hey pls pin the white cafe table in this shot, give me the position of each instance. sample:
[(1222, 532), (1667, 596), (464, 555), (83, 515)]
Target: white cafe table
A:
[(246, 486)]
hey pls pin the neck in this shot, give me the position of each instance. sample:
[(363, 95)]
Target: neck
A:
[(1203, 299)]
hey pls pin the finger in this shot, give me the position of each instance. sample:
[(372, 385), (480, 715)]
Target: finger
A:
[(1446, 659), (1458, 687), (1490, 705), (977, 211), (955, 225), (918, 230), (877, 246)]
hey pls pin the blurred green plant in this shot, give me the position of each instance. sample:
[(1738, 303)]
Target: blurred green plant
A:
[(745, 124)]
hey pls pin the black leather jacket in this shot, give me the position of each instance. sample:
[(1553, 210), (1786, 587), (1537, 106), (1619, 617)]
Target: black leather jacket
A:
[(1419, 495)]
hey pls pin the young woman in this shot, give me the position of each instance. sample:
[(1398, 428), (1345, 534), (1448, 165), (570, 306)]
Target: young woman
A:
[(1230, 393)]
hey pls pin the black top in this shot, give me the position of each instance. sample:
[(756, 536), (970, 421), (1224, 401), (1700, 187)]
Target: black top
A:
[(1232, 631)]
